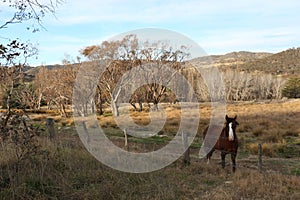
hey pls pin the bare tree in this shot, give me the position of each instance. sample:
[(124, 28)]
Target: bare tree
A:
[(85, 89), (63, 81), (116, 57), (40, 85), (156, 64), (278, 86), (139, 97), (13, 52), (243, 86)]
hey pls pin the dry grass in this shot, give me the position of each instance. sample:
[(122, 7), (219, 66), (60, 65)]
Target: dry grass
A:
[(256, 186), (275, 124), (65, 169), (268, 149)]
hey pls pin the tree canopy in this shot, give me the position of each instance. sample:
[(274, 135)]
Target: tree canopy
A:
[(130, 60)]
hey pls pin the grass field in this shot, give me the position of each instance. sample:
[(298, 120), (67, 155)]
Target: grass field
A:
[(64, 169)]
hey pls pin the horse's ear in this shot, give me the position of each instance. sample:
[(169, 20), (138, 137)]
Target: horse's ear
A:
[(226, 117), (235, 117)]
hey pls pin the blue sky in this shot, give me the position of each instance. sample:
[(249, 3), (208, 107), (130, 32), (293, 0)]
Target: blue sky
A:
[(217, 26)]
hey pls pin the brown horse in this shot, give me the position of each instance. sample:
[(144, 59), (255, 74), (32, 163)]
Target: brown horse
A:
[(227, 142)]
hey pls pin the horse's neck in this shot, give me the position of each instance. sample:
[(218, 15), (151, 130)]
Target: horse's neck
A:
[(225, 131)]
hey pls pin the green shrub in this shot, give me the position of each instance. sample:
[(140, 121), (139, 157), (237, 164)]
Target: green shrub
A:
[(292, 88)]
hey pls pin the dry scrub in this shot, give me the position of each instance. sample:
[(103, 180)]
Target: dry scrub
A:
[(63, 169)]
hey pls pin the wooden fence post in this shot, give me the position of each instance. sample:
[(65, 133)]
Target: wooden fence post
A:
[(88, 140), (259, 157), (186, 159), (50, 128), (126, 140)]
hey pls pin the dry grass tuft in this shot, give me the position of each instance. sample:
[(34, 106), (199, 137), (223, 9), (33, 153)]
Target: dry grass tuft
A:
[(268, 149), (250, 184)]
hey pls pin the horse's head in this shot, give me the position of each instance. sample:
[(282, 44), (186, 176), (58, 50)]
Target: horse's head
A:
[(231, 124)]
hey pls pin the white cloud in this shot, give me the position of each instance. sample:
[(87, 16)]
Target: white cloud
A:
[(89, 11), (218, 26)]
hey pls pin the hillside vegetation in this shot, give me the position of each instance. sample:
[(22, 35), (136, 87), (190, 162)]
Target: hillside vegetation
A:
[(230, 59), (284, 63)]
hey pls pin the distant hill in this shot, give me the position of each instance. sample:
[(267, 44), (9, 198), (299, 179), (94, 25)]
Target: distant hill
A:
[(34, 70), (286, 63), (232, 59), (30, 72)]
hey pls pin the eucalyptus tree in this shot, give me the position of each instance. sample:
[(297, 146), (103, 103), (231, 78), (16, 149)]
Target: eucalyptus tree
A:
[(142, 68)]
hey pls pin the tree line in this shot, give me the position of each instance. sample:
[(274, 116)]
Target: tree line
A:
[(134, 72), (53, 88)]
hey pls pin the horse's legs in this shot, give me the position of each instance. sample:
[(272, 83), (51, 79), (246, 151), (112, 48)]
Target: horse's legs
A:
[(233, 156), (209, 155), (223, 154)]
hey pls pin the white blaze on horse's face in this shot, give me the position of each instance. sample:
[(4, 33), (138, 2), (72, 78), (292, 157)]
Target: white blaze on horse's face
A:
[(231, 136)]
